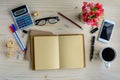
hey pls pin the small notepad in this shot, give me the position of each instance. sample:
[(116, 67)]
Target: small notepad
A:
[(59, 52)]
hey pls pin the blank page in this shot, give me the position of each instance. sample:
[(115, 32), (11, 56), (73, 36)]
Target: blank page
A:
[(46, 52), (71, 51)]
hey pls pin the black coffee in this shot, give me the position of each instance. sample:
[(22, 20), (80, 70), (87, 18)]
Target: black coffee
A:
[(108, 54)]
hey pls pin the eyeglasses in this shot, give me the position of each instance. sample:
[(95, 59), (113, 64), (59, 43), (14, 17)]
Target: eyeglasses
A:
[(51, 20)]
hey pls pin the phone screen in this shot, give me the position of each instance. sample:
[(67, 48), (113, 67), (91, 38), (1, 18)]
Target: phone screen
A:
[(106, 30)]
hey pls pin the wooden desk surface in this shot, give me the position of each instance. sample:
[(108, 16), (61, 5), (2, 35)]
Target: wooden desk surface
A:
[(19, 69)]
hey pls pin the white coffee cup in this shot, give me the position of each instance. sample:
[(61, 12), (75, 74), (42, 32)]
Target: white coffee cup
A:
[(107, 55)]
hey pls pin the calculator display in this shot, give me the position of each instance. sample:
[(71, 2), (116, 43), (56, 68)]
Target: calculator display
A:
[(19, 11)]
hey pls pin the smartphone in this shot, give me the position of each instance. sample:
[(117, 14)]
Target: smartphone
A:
[(106, 31)]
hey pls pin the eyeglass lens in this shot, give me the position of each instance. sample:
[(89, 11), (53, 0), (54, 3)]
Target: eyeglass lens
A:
[(52, 21), (42, 22)]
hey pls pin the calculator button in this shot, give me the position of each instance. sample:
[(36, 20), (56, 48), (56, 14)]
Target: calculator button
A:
[(20, 26), (24, 21)]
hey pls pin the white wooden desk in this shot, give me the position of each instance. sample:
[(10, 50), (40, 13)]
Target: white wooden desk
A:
[(13, 69)]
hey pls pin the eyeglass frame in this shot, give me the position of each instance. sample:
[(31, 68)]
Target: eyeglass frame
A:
[(47, 19)]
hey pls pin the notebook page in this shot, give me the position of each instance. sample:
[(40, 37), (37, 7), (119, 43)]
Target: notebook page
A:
[(71, 51), (46, 52)]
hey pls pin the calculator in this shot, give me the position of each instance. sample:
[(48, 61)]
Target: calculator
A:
[(22, 17)]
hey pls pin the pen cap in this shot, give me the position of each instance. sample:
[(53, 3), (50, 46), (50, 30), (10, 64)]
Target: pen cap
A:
[(13, 26), (11, 29)]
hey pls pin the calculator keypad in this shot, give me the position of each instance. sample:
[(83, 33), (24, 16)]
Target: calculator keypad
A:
[(24, 21)]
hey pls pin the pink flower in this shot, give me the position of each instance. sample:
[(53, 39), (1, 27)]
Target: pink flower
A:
[(85, 3), (90, 22), (92, 5), (92, 13), (102, 11), (86, 9), (85, 17), (99, 6), (98, 13)]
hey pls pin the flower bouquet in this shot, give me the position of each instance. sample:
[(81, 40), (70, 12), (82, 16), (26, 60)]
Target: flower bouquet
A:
[(92, 13)]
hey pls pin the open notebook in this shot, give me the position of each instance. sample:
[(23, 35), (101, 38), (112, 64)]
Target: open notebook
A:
[(59, 52)]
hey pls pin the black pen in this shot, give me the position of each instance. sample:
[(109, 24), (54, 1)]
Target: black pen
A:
[(92, 48)]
